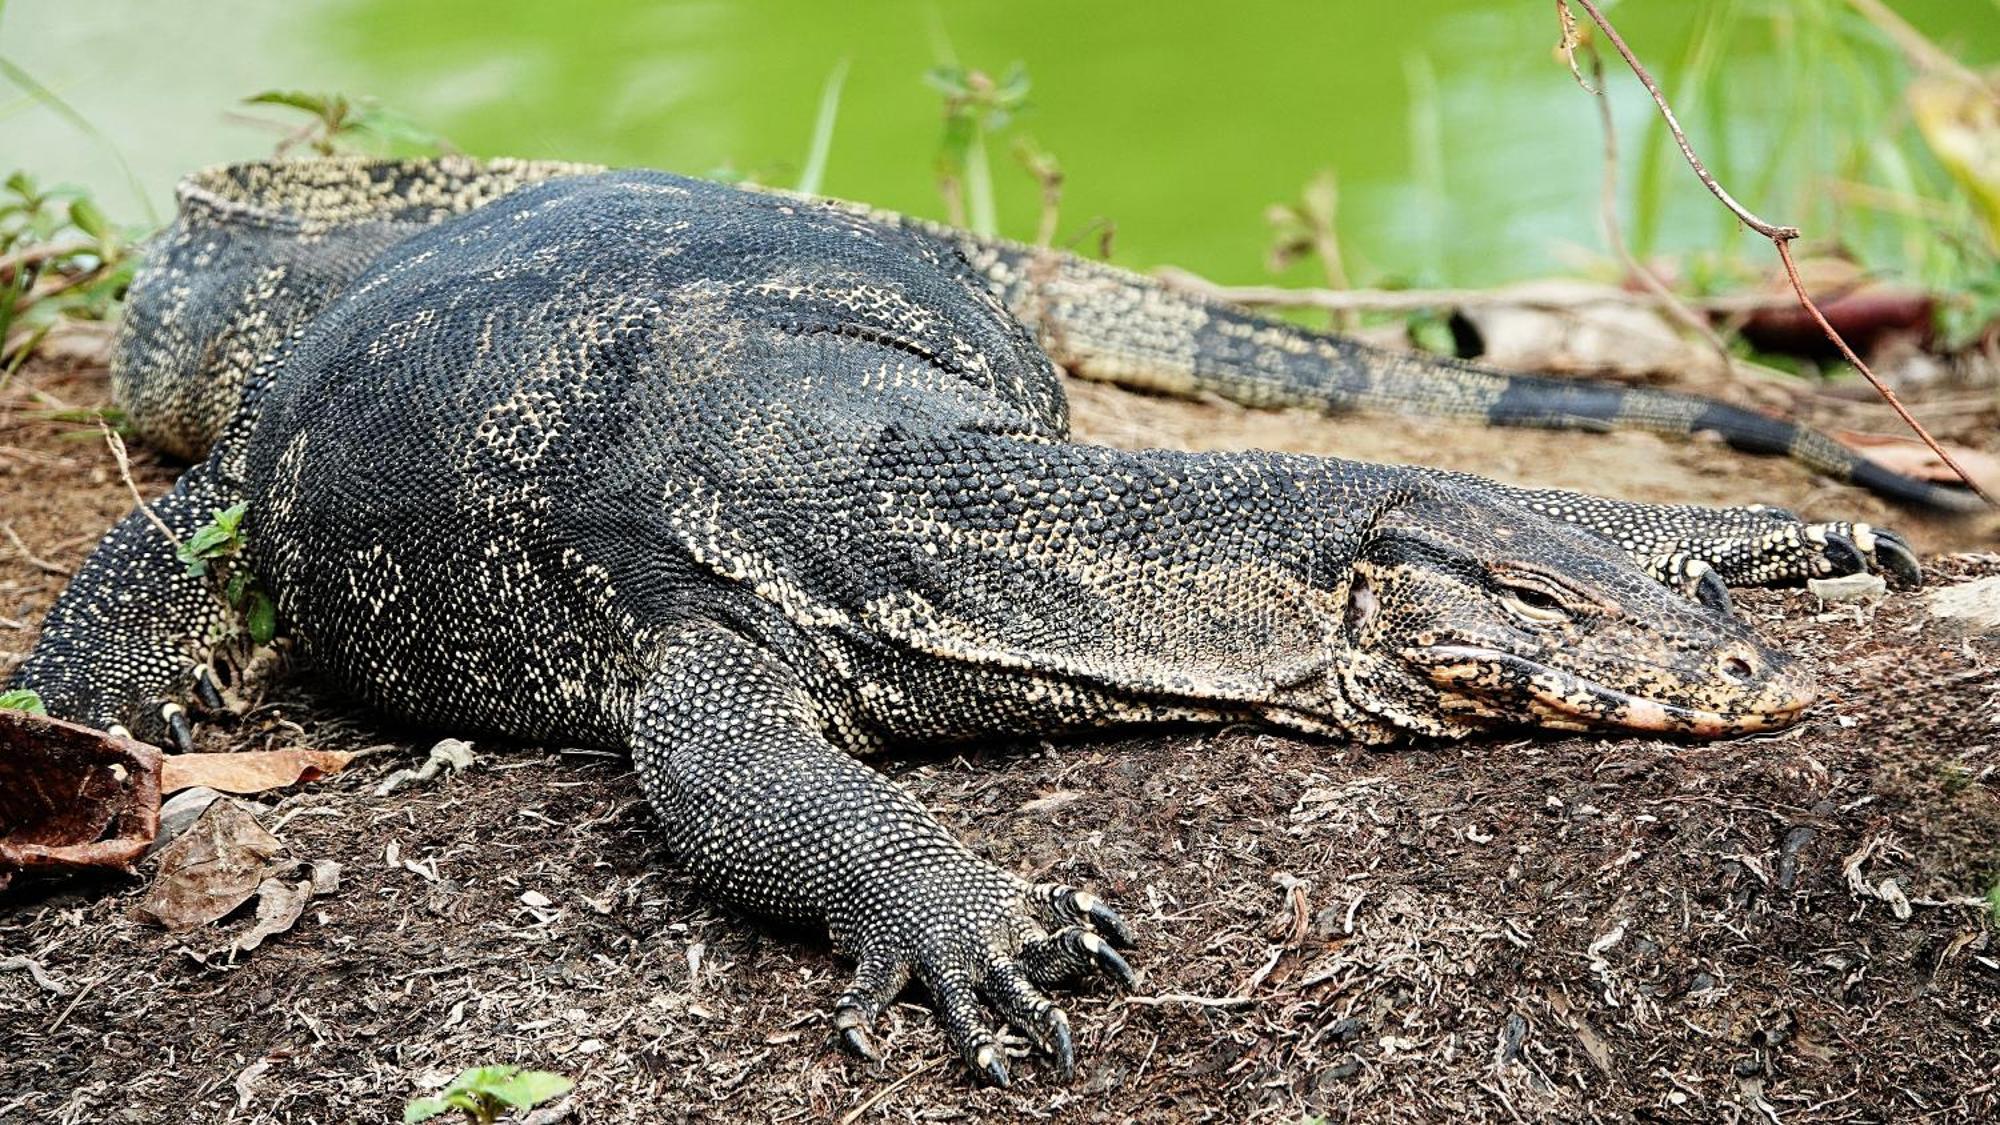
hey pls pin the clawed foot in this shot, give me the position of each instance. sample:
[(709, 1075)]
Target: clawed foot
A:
[(165, 721), (978, 940), (1773, 547)]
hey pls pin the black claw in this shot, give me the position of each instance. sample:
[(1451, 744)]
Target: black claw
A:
[(994, 1073), (1065, 1049), (1109, 960), (177, 725), (1107, 922), (1898, 560), (1842, 555), (857, 1043), (1713, 592), (206, 691)]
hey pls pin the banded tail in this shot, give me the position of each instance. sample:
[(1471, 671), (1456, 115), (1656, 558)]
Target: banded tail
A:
[(1101, 322)]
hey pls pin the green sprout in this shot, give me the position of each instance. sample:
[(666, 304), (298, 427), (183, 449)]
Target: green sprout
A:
[(220, 540), (60, 258), (340, 123), (976, 107), (483, 1093), (22, 699)]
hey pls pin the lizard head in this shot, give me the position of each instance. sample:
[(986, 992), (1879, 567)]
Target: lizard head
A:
[(1460, 614)]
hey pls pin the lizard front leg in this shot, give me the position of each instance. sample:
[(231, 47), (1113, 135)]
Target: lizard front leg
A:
[(127, 641), (1685, 544), (761, 806)]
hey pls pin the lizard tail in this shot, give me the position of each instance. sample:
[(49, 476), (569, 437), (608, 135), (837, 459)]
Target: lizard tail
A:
[(1105, 323)]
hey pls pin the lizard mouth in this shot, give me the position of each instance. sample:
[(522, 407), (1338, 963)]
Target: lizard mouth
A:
[(1730, 703)]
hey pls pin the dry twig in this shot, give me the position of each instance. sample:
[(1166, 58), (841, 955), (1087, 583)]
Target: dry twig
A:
[(22, 552), (118, 454), (1614, 235), (1781, 236)]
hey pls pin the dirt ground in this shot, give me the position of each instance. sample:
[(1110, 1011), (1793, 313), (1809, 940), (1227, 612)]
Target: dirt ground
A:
[(1787, 928)]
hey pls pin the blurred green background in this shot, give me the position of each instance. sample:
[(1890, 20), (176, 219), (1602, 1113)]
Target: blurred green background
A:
[(1465, 154)]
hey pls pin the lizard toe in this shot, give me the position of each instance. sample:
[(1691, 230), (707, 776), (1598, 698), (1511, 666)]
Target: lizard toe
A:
[(1071, 953), (1838, 556), (877, 980), (1031, 1013), (174, 716), (958, 1005), (1894, 559), (1057, 905), (207, 691)]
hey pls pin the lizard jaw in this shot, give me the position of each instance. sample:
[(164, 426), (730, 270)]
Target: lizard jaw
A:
[(1564, 700)]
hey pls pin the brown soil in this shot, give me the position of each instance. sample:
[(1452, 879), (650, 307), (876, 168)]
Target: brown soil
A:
[(1505, 929)]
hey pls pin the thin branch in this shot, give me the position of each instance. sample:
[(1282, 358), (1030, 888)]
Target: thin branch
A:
[(1881, 388), (1614, 235), (117, 445), (35, 255), (22, 552), (1768, 230), (1780, 237), (1192, 1001)]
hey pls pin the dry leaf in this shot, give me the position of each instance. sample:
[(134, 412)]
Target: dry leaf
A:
[(211, 870), (72, 797), (250, 772), (279, 905)]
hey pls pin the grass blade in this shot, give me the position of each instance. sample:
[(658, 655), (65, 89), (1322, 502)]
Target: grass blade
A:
[(822, 138)]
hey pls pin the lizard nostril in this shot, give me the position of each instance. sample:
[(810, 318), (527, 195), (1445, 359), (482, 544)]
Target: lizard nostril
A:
[(1736, 669)]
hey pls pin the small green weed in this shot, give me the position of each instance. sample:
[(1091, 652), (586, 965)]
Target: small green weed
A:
[(212, 546), (340, 123), (22, 699), (976, 108), (60, 257), (483, 1093)]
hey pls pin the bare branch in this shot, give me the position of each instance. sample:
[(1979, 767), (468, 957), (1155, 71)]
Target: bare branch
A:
[(1881, 388), (1614, 235), (117, 445), (1768, 230), (1780, 237), (22, 552)]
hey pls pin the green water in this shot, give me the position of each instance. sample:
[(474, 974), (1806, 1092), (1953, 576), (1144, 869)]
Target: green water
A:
[(1465, 153)]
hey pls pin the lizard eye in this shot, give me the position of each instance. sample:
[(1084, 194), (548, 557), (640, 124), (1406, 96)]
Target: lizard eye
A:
[(1533, 605)]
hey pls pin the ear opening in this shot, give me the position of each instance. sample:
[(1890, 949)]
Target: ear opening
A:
[(1363, 603)]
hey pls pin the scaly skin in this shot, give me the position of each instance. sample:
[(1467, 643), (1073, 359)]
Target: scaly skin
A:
[(751, 487)]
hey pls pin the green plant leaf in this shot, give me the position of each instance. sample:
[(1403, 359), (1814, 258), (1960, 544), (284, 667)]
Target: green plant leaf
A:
[(88, 219), (321, 105), (947, 80), (481, 1077), (22, 699), (230, 519), (390, 125), (261, 618), (218, 538), (423, 1109), (822, 138), (530, 1088)]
